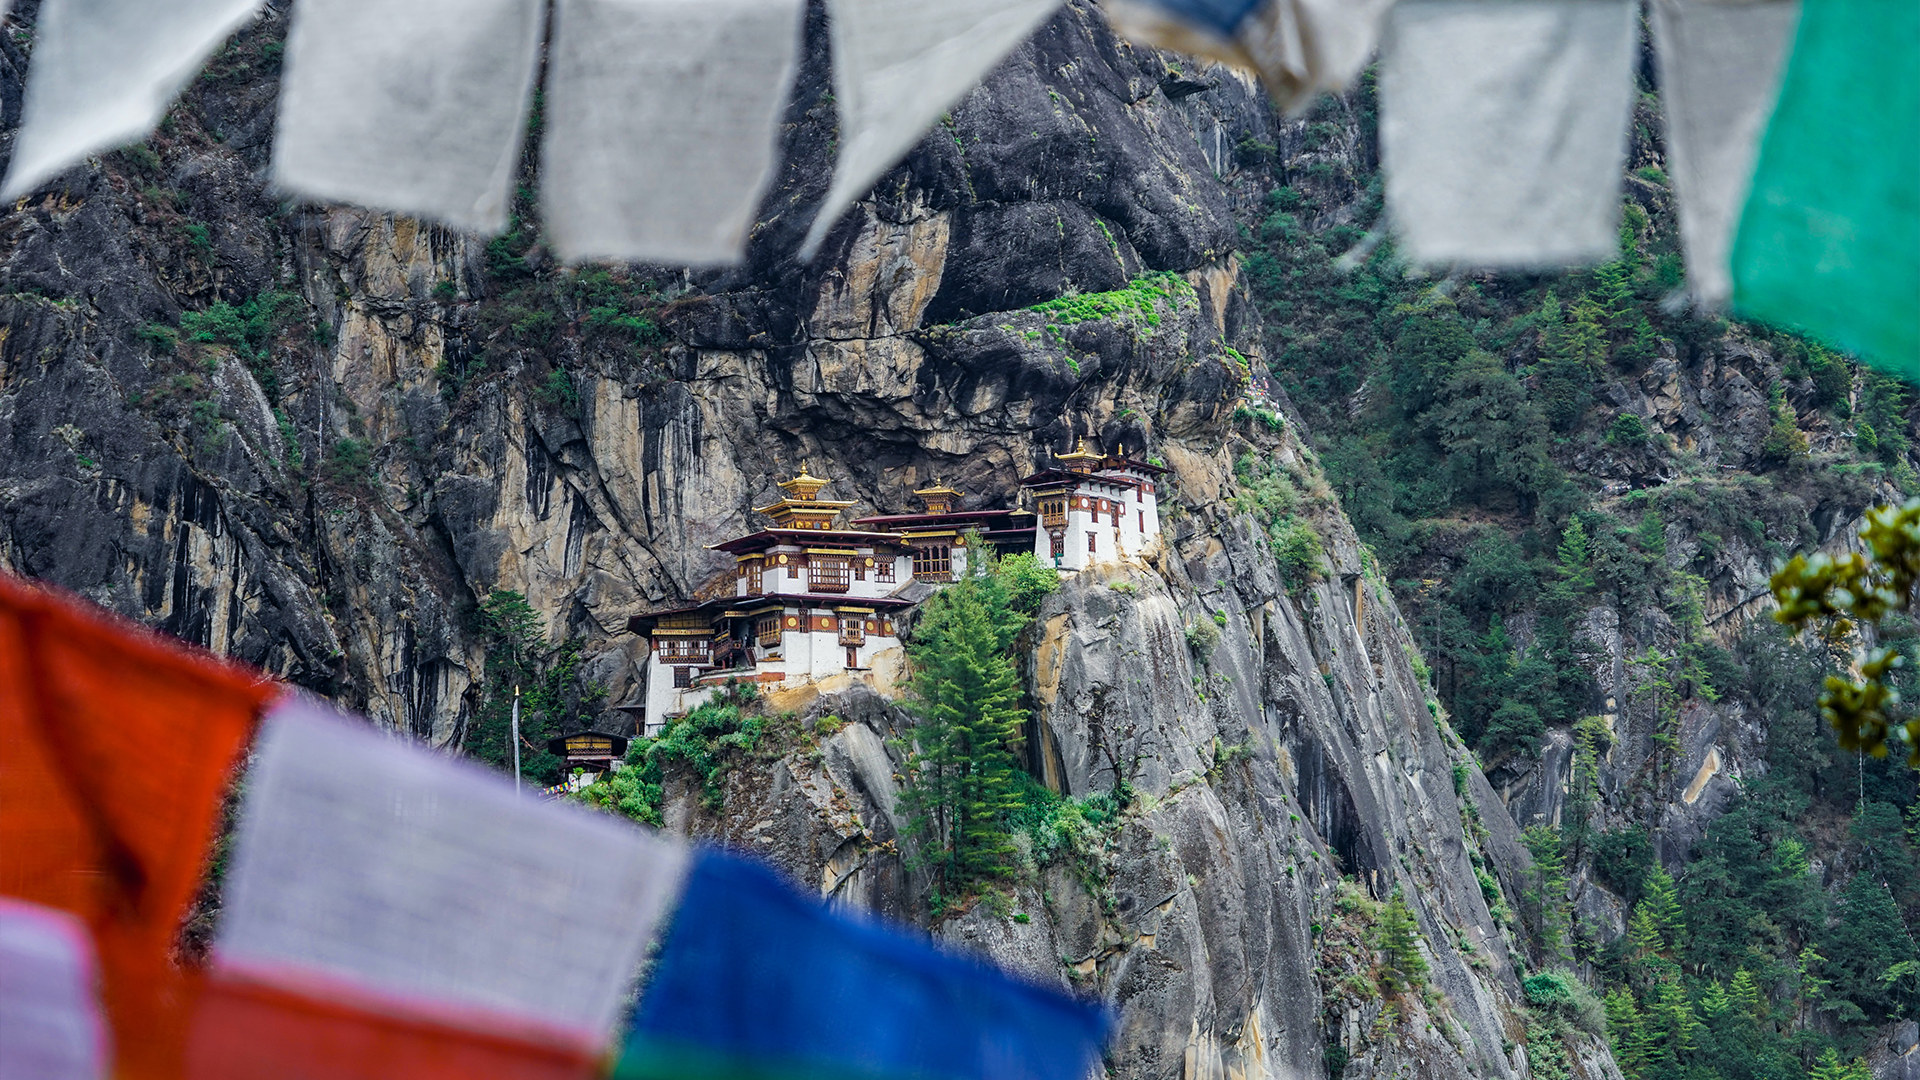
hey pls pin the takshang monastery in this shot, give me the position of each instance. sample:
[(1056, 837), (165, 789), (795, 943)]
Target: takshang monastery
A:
[(811, 601)]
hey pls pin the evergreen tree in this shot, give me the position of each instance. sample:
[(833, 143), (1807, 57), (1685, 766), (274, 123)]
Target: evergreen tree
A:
[(553, 696), (1869, 940), (1714, 1003), (1627, 1028), (1830, 1067), (1746, 998), (962, 779), (1663, 901), (1397, 936), (1674, 1028), (1547, 894)]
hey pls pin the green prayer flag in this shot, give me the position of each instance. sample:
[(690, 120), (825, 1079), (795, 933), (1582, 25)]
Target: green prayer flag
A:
[(1830, 239)]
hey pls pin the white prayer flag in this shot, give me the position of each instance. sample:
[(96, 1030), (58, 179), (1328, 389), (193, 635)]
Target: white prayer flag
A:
[(415, 876), (414, 107), (899, 64), (103, 73), (1720, 70), (50, 1024), (1503, 128), (662, 123)]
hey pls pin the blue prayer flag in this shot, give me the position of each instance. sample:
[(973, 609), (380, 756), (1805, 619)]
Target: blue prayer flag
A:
[(756, 980)]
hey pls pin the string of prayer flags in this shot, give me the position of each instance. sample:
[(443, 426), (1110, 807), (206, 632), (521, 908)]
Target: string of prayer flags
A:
[(1503, 128), (50, 1027), (1719, 67), (1830, 240), (1299, 48), (393, 913), (104, 72), (899, 64), (661, 125), (119, 747), (416, 107), (756, 980)]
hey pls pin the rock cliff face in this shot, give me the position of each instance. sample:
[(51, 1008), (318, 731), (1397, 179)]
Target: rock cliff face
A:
[(328, 490)]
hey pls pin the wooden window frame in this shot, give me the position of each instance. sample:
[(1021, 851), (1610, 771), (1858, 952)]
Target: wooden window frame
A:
[(933, 562), (829, 573)]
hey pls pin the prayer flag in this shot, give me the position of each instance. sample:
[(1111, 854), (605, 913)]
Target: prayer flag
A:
[(756, 980), (899, 64), (119, 746), (662, 119), (104, 72), (392, 912), (1719, 75), (49, 1012), (1503, 128), (1829, 242), (1299, 48), (413, 107)]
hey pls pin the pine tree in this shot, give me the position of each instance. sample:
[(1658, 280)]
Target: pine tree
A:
[(1675, 1029), (1714, 1002), (1628, 1030), (1746, 998), (1830, 1067), (1547, 894), (962, 779), (1397, 936), (1661, 898)]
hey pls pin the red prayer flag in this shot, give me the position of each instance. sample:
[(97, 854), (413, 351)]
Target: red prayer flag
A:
[(118, 745)]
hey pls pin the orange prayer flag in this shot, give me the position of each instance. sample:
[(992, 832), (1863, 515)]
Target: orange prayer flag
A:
[(115, 748)]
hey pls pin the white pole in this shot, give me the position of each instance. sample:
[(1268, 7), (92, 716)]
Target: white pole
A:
[(516, 740)]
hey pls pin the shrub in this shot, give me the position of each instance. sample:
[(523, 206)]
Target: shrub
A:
[(350, 461), (1027, 580), (1296, 546), (1202, 638), (1628, 430)]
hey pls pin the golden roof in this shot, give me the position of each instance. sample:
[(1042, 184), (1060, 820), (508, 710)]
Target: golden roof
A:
[(805, 486), (1081, 457), (803, 500)]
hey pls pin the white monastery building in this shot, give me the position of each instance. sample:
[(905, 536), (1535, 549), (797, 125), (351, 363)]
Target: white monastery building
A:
[(809, 601)]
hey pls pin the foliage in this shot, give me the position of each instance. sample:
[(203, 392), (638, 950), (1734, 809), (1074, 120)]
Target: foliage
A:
[(704, 741), (553, 695), (1141, 299), (349, 461), (1397, 937), (1546, 895), (1839, 595), (1202, 637), (1027, 580), (962, 783)]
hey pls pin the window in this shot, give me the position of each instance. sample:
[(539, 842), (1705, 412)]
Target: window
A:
[(1093, 540), (754, 582), (767, 629), (829, 573), (853, 657), (860, 569), (1059, 539), (1053, 512), (933, 562), (883, 570), (682, 677), (683, 650), (1143, 520)]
